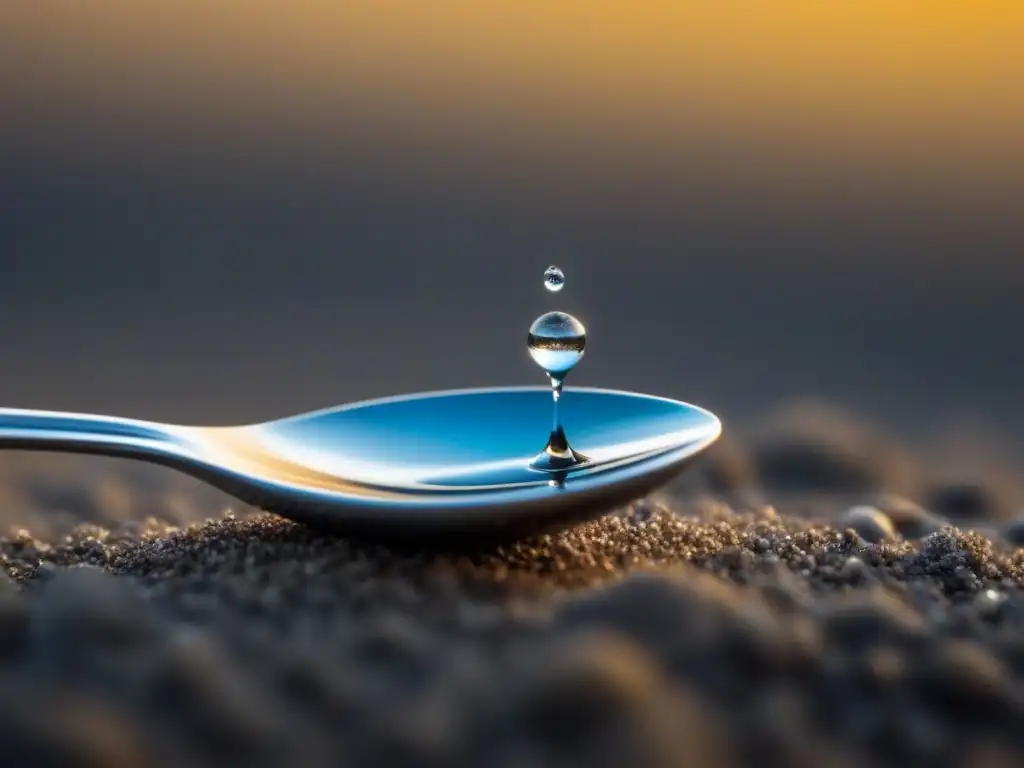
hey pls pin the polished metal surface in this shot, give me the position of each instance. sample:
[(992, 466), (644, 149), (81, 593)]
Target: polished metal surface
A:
[(455, 461)]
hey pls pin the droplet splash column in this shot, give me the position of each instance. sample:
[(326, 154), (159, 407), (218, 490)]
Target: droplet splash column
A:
[(556, 342)]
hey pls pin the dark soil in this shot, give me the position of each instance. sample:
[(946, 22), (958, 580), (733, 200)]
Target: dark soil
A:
[(686, 636)]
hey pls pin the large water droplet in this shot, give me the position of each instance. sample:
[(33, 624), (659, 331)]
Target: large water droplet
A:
[(554, 279), (556, 341)]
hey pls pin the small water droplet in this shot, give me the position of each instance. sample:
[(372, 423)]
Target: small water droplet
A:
[(556, 341), (554, 279)]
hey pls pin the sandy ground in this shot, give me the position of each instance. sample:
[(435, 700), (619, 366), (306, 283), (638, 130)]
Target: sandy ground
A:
[(756, 613)]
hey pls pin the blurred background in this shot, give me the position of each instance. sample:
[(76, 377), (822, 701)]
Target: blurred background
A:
[(228, 210)]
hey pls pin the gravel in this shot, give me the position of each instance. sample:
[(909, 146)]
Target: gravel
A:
[(685, 633)]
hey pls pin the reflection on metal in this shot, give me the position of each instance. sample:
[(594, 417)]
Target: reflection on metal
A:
[(456, 461)]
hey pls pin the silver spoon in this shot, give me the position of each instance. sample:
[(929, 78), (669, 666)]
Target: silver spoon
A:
[(443, 462)]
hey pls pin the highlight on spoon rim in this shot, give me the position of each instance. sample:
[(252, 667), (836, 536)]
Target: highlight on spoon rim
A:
[(460, 391)]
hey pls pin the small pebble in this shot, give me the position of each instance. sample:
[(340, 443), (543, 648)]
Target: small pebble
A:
[(911, 520), (854, 570), (1014, 532), (871, 524), (963, 501)]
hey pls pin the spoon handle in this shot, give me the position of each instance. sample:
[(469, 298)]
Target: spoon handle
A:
[(83, 433)]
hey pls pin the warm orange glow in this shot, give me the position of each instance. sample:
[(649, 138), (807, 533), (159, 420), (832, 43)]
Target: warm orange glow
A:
[(899, 78)]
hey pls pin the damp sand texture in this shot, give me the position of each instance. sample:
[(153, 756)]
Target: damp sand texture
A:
[(661, 635)]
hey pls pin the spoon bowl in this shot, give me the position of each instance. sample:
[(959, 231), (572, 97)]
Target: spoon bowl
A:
[(437, 462)]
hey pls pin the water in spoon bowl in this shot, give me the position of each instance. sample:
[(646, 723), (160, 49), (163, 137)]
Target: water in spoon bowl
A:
[(480, 439)]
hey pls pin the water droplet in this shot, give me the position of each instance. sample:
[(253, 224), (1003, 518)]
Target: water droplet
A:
[(554, 279), (556, 342)]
